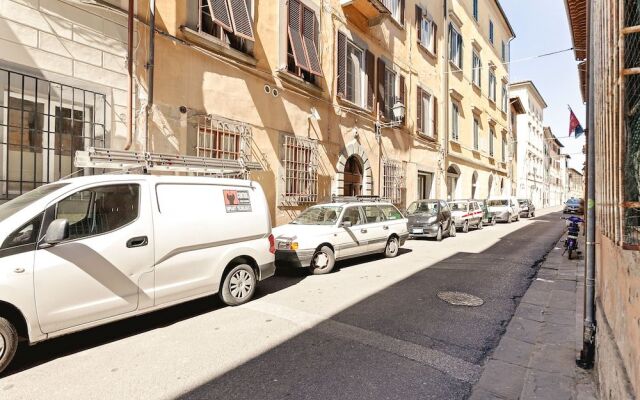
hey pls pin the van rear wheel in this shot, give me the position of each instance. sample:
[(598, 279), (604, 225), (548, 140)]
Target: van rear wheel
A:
[(8, 343), (239, 285)]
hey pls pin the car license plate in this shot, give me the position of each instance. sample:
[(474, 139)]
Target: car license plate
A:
[(416, 230)]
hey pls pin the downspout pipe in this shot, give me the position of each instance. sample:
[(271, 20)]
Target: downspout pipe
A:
[(587, 354), (149, 66), (127, 146), (444, 103)]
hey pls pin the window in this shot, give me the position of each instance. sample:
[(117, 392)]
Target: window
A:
[(373, 214), (492, 133), (393, 180), (390, 212), (355, 74), (425, 181), (476, 70), (220, 139), (427, 109), (302, 50), (491, 31), (300, 163), (229, 21), (455, 114), (100, 209), (474, 186), (43, 124), (492, 86), (504, 52), (505, 98), (455, 46), (426, 30), (353, 215), (395, 7), (476, 134), (475, 9), (27, 234), (389, 92)]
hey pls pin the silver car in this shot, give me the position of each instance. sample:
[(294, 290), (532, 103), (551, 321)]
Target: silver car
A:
[(505, 209)]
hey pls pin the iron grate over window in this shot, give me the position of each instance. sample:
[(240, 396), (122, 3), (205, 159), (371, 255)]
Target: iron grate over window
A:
[(223, 139), (300, 162), (393, 181), (42, 125)]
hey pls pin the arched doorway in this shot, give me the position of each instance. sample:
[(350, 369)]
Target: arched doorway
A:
[(453, 174), (353, 172), (474, 184)]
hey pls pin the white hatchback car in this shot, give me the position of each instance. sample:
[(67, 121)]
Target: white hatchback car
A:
[(325, 233)]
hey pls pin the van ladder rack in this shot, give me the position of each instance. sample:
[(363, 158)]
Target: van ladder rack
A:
[(126, 160), (351, 199)]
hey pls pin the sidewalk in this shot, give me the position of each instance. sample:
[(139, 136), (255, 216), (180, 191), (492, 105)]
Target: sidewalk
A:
[(536, 356)]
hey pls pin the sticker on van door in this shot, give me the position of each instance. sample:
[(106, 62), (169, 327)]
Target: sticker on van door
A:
[(237, 200)]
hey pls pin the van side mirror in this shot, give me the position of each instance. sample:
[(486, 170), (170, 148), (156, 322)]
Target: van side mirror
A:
[(57, 231), (345, 224)]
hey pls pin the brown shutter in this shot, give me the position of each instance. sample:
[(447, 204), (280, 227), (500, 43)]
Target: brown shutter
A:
[(380, 71), (419, 109), (370, 60), (295, 36), (403, 98), (341, 66), (220, 13), (241, 19), (419, 23), (309, 37), (434, 102), (401, 12), (435, 38)]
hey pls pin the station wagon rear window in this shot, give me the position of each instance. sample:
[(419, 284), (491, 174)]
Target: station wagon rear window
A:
[(458, 206), (319, 215)]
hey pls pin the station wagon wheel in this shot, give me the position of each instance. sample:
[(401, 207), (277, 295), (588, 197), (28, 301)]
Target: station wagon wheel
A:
[(239, 285), (493, 221), (465, 227), (323, 261), (8, 343), (439, 234), (393, 246), (452, 229)]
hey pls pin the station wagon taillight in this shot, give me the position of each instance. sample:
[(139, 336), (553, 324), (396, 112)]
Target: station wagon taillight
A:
[(272, 244)]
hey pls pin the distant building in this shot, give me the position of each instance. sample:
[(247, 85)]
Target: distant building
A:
[(576, 184), (553, 182), (515, 108)]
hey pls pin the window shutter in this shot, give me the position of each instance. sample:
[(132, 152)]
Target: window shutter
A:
[(380, 70), (419, 109), (220, 13), (434, 33), (434, 104), (341, 65), (309, 37), (295, 36), (419, 23), (402, 12), (370, 60), (241, 19), (403, 98)]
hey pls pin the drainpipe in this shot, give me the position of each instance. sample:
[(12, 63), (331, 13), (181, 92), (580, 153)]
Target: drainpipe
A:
[(589, 329), (445, 98), (149, 66), (127, 146)]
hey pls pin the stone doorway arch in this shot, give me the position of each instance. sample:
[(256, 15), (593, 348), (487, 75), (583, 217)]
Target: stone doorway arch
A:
[(355, 150)]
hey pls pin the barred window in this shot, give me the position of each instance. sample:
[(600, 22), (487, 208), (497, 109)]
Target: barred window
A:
[(394, 182), (221, 139), (42, 125), (300, 162)]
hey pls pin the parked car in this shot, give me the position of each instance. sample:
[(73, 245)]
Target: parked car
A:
[(505, 209), (430, 218), (87, 251), (328, 232), (527, 209), (487, 216), (574, 206), (466, 213)]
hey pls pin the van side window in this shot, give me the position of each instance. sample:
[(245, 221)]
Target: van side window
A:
[(27, 234), (99, 209), (373, 214), (391, 212), (352, 214)]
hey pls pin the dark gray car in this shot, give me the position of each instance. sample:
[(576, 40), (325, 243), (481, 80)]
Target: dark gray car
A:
[(527, 209), (430, 218)]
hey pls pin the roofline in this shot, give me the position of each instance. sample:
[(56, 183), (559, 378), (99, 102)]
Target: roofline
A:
[(517, 104), (555, 139), (576, 171), (504, 16), (535, 90)]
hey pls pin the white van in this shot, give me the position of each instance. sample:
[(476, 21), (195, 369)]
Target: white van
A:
[(87, 251)]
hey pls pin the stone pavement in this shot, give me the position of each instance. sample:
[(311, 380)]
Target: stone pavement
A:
[(536, 356)]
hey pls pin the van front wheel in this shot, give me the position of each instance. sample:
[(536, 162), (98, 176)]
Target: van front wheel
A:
[(239, 285), (8, 343)]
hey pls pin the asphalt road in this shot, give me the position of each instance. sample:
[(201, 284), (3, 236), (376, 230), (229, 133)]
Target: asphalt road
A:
[(373, 329)]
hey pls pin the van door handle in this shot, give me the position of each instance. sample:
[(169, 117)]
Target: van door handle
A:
[(138, 241)]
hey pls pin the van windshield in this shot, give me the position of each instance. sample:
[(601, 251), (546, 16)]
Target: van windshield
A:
[(497, 203), (13, 206), (319, 215)]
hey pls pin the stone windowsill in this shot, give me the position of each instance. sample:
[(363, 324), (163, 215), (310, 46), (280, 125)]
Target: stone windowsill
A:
[(298, 82), (217, 46)]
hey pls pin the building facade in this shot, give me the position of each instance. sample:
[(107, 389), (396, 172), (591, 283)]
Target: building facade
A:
[(530, 145), (305, 91), (609, 75), (516, 108), (575, 181), (554, 194)]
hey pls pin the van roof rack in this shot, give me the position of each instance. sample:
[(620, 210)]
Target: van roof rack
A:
[(127, 160), (360, 198)]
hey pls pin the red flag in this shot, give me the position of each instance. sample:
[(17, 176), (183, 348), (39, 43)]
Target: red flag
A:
[(574, 124)]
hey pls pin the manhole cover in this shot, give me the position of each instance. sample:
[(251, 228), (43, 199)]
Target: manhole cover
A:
[(461, 299)]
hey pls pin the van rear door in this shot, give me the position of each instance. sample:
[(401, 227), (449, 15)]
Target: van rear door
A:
[(106, 264)]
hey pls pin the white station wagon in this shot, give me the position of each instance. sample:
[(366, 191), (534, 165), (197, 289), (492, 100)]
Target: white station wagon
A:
[(325, 233)]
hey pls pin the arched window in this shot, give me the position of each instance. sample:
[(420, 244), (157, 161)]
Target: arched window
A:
[(453, 174)]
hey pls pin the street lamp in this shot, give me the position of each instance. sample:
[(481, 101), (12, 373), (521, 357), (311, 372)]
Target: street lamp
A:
[(397, 112)]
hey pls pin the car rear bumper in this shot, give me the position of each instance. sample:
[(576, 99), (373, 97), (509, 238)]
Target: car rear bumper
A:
[(502, 216)]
